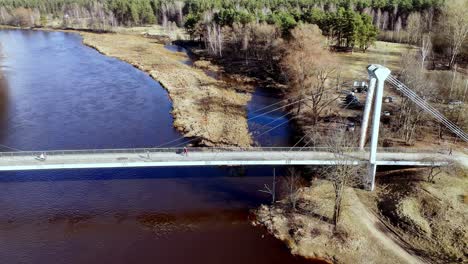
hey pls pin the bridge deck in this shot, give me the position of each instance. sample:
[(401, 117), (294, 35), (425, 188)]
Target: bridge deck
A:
[(132, 158)]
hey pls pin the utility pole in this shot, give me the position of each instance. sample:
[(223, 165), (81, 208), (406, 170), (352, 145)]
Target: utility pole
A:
[(274, 186)]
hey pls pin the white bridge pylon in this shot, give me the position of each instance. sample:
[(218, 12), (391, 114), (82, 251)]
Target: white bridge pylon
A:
[(378, 74)]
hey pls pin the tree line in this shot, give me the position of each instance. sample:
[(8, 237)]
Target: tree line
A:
[(136, 12), (349, 25)]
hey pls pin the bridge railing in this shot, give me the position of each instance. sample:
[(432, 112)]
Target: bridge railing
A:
[(214, 150)]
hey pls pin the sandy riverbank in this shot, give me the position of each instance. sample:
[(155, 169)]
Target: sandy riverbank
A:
[(212, 110)]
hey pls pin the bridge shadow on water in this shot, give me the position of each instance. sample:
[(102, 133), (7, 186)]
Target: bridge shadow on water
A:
[(140, 173), (230, 184)]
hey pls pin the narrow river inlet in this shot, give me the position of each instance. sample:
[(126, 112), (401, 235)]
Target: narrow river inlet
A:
[(58, 94)]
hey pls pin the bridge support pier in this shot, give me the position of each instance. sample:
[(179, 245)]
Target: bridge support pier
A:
[(379, 74), (367, 111)]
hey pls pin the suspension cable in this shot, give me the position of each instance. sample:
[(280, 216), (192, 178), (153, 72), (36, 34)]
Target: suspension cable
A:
[(268, 106), (248, 119), (7, 147), (272, 122), (427, 107), (276, 109), (282, 123)]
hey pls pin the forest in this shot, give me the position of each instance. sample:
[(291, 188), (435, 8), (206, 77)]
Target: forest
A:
[(385, 14), (348, 25)]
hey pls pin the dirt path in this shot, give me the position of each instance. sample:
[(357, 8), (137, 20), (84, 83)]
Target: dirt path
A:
[(379, 231), (461, 158)]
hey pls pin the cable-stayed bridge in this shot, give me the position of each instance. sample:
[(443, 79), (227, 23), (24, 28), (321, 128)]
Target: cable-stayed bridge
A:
[(158, 157), (167, 157)]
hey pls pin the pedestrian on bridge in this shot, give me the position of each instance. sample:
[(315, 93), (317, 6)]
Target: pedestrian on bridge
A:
[(42, 157), (186, 151)]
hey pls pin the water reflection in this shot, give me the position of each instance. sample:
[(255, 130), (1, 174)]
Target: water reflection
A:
[(273, 128), (67, 96), (4, 101)]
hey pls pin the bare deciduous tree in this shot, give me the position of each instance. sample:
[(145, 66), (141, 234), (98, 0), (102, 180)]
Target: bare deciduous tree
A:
[(309, 66), (411, 117), (23, 17), (433, 172), (214, 39), (414, 28), (5, 17), (454, 26), (292, 183), (344, 173), (94, 16), (426, 48), (179, 6), (271, 190), (398, 28)]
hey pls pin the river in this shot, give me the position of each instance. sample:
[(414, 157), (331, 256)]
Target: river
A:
[(58, 94)]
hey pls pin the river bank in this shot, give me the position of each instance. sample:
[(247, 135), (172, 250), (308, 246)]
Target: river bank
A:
[(408, 219), (210, 110)]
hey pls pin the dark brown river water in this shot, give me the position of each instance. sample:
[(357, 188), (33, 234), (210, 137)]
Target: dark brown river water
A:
[(59, 94)]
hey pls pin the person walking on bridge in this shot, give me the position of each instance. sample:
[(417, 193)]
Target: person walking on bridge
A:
[(186, 151), (42, 157)]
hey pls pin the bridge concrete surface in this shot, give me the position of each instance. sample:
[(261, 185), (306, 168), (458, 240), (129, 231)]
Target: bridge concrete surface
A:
[(15, 161)]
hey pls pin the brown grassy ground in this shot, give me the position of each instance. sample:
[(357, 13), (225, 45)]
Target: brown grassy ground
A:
[(430, 216), (353, 67), (308, 230), (407, 220), (203, 107), (384, 53), (155, 30)]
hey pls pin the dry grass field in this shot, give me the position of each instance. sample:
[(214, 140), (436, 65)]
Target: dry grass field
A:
[(353, 65), (407, 220)]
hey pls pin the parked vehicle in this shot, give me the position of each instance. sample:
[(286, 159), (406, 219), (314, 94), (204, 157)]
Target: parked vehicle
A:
[(360, 87), (352, 102), (350, 126), (388, 99), (455, 103)]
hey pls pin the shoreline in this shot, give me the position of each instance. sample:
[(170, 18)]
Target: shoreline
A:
[(219, 115)]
